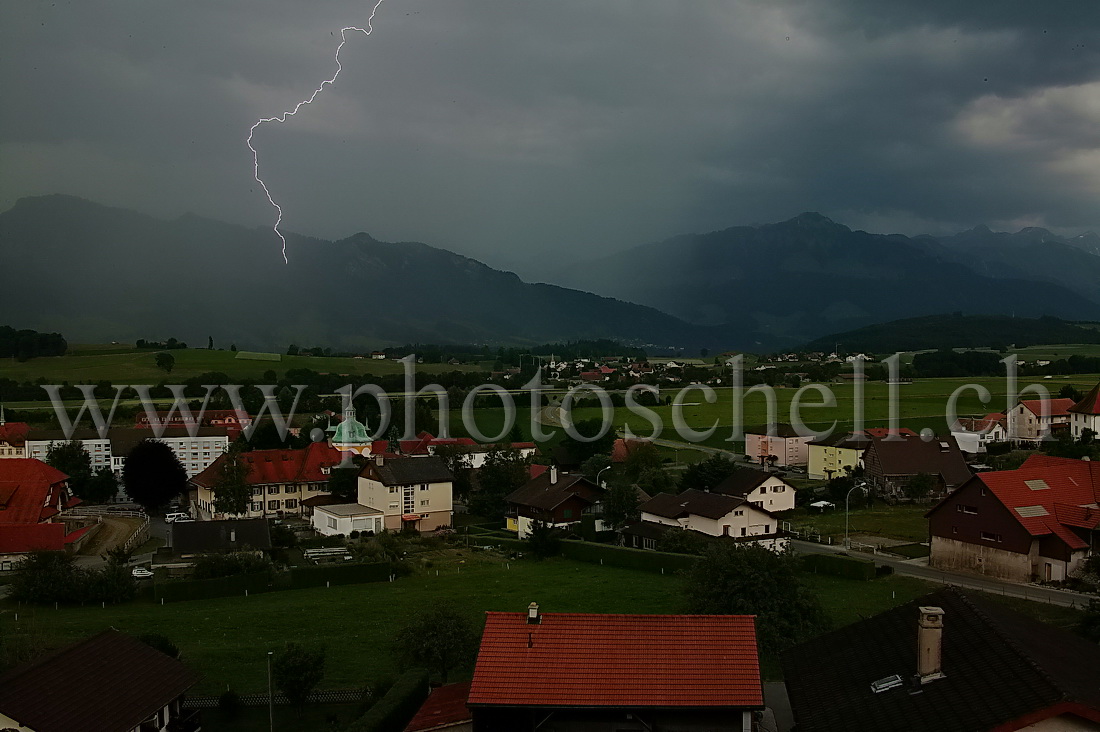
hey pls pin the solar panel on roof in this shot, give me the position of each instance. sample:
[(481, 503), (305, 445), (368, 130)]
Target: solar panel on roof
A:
[(1032, 511), (1037, 484)]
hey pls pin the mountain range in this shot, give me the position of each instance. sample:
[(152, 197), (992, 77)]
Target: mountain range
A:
[(97, 273)]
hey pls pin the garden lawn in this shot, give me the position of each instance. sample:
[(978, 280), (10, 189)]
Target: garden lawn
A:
[(906, 522)]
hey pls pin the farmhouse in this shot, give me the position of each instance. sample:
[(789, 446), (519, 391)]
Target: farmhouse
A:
[(13, 437), (945, 662), (712, 514), (1037, 522), (572, 672), (1085, 414), (975, 434), (763, 490), (890, 463), (33, 499), (1033, 419)]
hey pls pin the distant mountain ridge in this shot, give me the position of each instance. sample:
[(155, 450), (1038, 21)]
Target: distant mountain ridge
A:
[(100, 273), (789, 282)]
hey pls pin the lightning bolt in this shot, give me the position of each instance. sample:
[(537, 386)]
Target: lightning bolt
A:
[(291, 112)]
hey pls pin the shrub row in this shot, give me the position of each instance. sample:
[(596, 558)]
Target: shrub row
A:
[(207, 589), (627, 558), (297, 578), (839, 566), (339, 574), (394, 710)]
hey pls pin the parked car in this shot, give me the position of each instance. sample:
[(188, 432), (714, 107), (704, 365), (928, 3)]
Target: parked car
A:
[(172, 518), (141, 573)]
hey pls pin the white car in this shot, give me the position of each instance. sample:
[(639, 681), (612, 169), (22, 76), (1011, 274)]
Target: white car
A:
[(172, 518), (141, 573)]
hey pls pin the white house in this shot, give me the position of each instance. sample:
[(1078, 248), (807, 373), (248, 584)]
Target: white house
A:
[(763, 490), (1085, 414), (974, 435), (713, 514), (344, 518)]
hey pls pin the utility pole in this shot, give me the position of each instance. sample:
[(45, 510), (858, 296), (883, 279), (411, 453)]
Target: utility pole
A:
[(270, 696)]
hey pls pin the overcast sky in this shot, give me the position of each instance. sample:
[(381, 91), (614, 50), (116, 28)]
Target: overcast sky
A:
[(526, 130)]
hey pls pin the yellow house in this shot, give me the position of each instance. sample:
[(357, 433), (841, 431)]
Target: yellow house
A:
[(836, 456), (411, 492)]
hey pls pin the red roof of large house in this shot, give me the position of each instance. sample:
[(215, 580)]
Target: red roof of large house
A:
[(14, 433), (582, 659), (622, 448), (278, 466), (1058, 407), (1048, 495), (444, 706), (1090, 403), (30, 491)]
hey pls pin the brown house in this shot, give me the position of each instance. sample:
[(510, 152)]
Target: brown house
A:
[(891, 462), (553, 498), (1037, 522)]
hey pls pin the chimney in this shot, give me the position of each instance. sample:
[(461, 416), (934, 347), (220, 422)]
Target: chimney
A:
[(553, 474), (930, 644), (533, 617), (378, 460)]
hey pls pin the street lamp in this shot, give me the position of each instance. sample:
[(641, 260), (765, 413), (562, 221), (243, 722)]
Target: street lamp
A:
[(848, 495), (270, 697), (598, 474)]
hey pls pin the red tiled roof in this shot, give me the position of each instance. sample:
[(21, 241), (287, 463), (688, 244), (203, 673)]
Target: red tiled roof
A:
[(622, 448), (14, 433), (535, 471), (578, 659), (1058, 407), (1090, 403), (278, 466), (29, 490), (444, 706), (22, 538), (1072, 487)]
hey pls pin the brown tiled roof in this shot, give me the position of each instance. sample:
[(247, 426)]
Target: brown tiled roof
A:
[(691, 501), (590, 660), (409, 471), (911, 455), (1090, 403), (107, 683), (540, 493)]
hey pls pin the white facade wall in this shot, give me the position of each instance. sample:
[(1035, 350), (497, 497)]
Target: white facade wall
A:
[(98, 449), (789, 450), (773, 495), (195, 453), (1078, 423), (329, 525), (431, 501)]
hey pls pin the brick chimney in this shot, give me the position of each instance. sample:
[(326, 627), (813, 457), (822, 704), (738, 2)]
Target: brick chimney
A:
[(930, 644)]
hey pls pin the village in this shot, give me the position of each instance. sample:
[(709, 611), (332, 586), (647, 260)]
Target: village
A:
[(342, 510)]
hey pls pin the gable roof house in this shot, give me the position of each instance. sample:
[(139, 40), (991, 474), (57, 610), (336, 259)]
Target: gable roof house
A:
[(709, 513), (33, 499), (553, 498), (1039, 521), (890, 462), (568, 672), (1030, 421), (763, 490), (946, 662), (110, 682), (1085, 414), (281, 480), (411, 492), (975, 433), (13, 437)]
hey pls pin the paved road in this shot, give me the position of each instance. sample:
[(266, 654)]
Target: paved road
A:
[(919, 568)]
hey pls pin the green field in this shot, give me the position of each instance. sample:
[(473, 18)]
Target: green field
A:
[(118, 364), (905, 522)]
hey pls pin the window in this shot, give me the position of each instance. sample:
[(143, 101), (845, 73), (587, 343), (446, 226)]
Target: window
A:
[(395, 505), (273, 505), (393, 489), (258, 491), (963, 508), (292, 503), (739, 512), (777, 489), (423, 486), (990, 536), (954, 529), (331, 522), (257, 506), (649, 543), (567, 513), (744, 531), (425, 502), (272, 490), (767, 528)]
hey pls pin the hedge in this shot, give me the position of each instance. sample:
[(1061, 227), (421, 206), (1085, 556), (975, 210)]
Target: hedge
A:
[(839, 566), (627, 558), (208, 589), (339, 574), (394, 710)]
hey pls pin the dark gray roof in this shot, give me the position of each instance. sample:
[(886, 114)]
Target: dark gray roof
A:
[(691, 501), (742, 482), (998, 666), (409, 471), (200, 537)]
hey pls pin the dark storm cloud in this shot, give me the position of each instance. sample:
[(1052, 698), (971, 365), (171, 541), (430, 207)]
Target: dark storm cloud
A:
[(519, 131)]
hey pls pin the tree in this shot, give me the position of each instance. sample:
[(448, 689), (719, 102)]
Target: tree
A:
[(582, 450), (45, 577), (73, 460), (344, 482), (683, 541), (166, 362), (707, 474), (1089, 625), (297, 671), (641, 457), (919, 486), (210, 343), (504, 470), (232, 493), (153, 475), (544, 540), (732, 579), (457, 460), (439, 639), (620, 504), (591, 467)]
